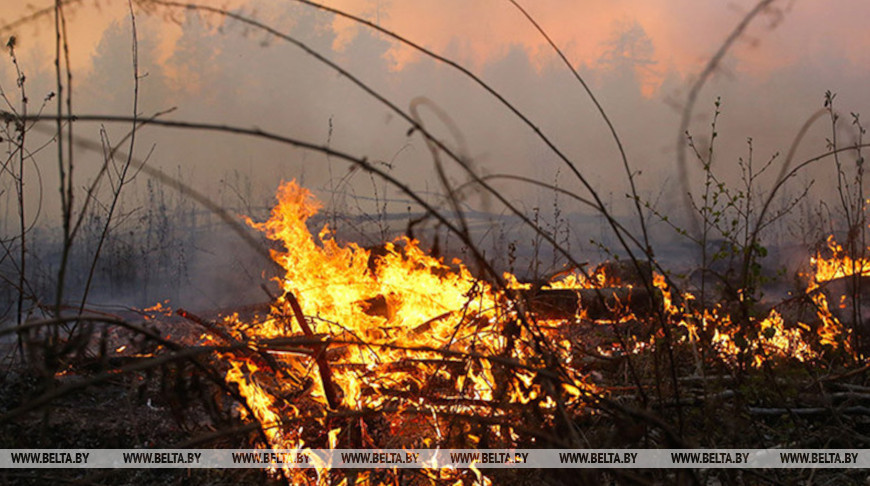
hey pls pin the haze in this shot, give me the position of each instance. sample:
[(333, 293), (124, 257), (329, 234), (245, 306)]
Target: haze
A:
[(639, 58)]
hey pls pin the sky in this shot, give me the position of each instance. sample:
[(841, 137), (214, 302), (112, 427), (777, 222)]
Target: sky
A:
[(639, 58)]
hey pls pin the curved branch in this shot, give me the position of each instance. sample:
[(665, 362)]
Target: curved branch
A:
[(693, 96)]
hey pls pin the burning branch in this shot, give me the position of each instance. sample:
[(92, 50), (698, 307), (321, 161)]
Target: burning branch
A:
[(261, 358), (329, 387)]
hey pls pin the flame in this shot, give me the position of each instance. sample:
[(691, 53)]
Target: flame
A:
[(408, 336), (158, 309), (338, 284), (398, 334), (839, 265)]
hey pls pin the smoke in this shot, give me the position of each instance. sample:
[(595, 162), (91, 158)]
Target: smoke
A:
[(638, 57)]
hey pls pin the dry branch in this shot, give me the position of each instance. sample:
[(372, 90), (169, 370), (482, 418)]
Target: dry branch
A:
[(856, 410), (260, 357), (330, 389), (597, 303)]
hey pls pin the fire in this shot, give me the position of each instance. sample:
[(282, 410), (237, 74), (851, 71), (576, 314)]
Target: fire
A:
[(839, 265), (393, 348), (405, 335), (158, 309), (340, 284)]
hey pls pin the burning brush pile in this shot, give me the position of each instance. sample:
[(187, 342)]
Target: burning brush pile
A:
[(396, 349)]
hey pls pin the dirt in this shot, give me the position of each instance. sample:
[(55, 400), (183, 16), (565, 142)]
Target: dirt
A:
[(165, 408)]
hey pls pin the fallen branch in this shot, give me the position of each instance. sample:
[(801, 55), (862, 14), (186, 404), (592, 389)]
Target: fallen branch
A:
[(606, 303), (330, 390), (260, 357), (856, 410)]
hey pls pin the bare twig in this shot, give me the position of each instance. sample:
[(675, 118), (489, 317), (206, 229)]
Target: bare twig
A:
[(708, 71), (330, 389)]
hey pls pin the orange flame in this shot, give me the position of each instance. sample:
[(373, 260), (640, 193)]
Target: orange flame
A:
[(416, 340), (405, 306)]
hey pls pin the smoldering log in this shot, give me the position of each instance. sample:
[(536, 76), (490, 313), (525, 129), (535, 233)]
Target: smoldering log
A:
[(626, 272), (606, 303)]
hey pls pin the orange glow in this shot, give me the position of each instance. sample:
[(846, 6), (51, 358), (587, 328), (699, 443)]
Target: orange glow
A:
[(683, 34), (839, 265)]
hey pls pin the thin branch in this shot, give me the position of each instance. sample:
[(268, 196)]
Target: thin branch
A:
[(708, 71)]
